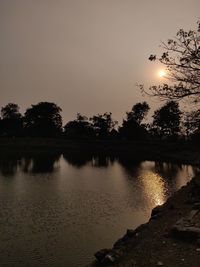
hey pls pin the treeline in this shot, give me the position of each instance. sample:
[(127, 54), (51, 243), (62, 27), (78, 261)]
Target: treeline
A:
[(44, 120)]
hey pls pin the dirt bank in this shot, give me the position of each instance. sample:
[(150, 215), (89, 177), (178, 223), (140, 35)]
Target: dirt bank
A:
[(170, 238)]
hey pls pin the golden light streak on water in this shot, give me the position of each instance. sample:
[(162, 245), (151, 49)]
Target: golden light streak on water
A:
[(154, 188)]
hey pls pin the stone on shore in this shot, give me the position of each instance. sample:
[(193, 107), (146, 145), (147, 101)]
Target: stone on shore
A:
[(188, 227), (100, 255)]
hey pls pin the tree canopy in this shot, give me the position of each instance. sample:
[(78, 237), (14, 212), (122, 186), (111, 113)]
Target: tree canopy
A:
[(132, 127), (10, 111), (181, 57), (11, 123), (43, 119), (191, 122), (138, 112), (103, 124), (166, 120), (79, 128)]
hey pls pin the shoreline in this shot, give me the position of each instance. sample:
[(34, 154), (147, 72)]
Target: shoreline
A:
[(157, 233), (177, 152), (171, 237)]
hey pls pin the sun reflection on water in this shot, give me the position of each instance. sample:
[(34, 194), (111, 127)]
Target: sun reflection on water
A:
[(154, 188)]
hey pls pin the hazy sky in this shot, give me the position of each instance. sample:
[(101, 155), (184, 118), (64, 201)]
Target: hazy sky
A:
[(84, 55)]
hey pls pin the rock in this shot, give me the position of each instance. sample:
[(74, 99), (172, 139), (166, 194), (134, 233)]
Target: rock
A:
[(108, 259), (180, 222), (108, 256), (130, 232), (157, 210), (100, 255), (172, 207), (196, 206), (186, 233), (190, 201), (141, 227), (196, 180), (119, 243), (192, 214), (118, 253)]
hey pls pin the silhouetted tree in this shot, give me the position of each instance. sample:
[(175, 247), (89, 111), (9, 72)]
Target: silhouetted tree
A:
[(166, 120), (114, 134), (1, 127), (132, 127), (191, 123), (131, 130), (43, 119), (10, 111), (11, 123), (181, 57), (103, 124), (79, 128), (138, 112)]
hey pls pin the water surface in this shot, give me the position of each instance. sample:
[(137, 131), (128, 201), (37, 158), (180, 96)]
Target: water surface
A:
[(57, 210)]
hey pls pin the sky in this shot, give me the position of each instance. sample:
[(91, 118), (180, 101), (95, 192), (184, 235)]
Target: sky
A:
[(85, 55)]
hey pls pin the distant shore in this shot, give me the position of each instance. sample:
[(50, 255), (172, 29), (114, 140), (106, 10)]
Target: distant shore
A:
[(180, 152)]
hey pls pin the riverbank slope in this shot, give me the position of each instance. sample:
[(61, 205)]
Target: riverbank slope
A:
[(170, 238)]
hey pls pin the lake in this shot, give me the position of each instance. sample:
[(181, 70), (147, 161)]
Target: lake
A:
[(58, 210)]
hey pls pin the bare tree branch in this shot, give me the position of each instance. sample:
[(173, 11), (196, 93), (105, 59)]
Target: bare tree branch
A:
[(181, 57)]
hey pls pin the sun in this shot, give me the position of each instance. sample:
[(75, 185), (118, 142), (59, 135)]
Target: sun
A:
[(162, 73)]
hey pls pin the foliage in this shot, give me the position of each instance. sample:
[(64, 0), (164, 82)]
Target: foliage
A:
[(10, 111), (79, 128), (191, 122), (131, 130), (138, 112), (181, 57), (43, 119), (103, 124), (131, 126), (166, 120), (11, 123)]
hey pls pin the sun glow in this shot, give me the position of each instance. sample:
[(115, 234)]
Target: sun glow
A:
[(154, 188), (162, 73)]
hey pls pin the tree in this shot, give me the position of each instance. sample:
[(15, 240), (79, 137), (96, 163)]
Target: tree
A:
[(181, 57), (138, 112), (79, 128), (43, 119), (11, 123), (10, 111), (103, 124), (166, 120), (132, 127), (191, 123), (1, 127), (131, 130)]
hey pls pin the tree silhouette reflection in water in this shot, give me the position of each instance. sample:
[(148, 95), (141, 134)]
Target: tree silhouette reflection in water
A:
[(65, 207)]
